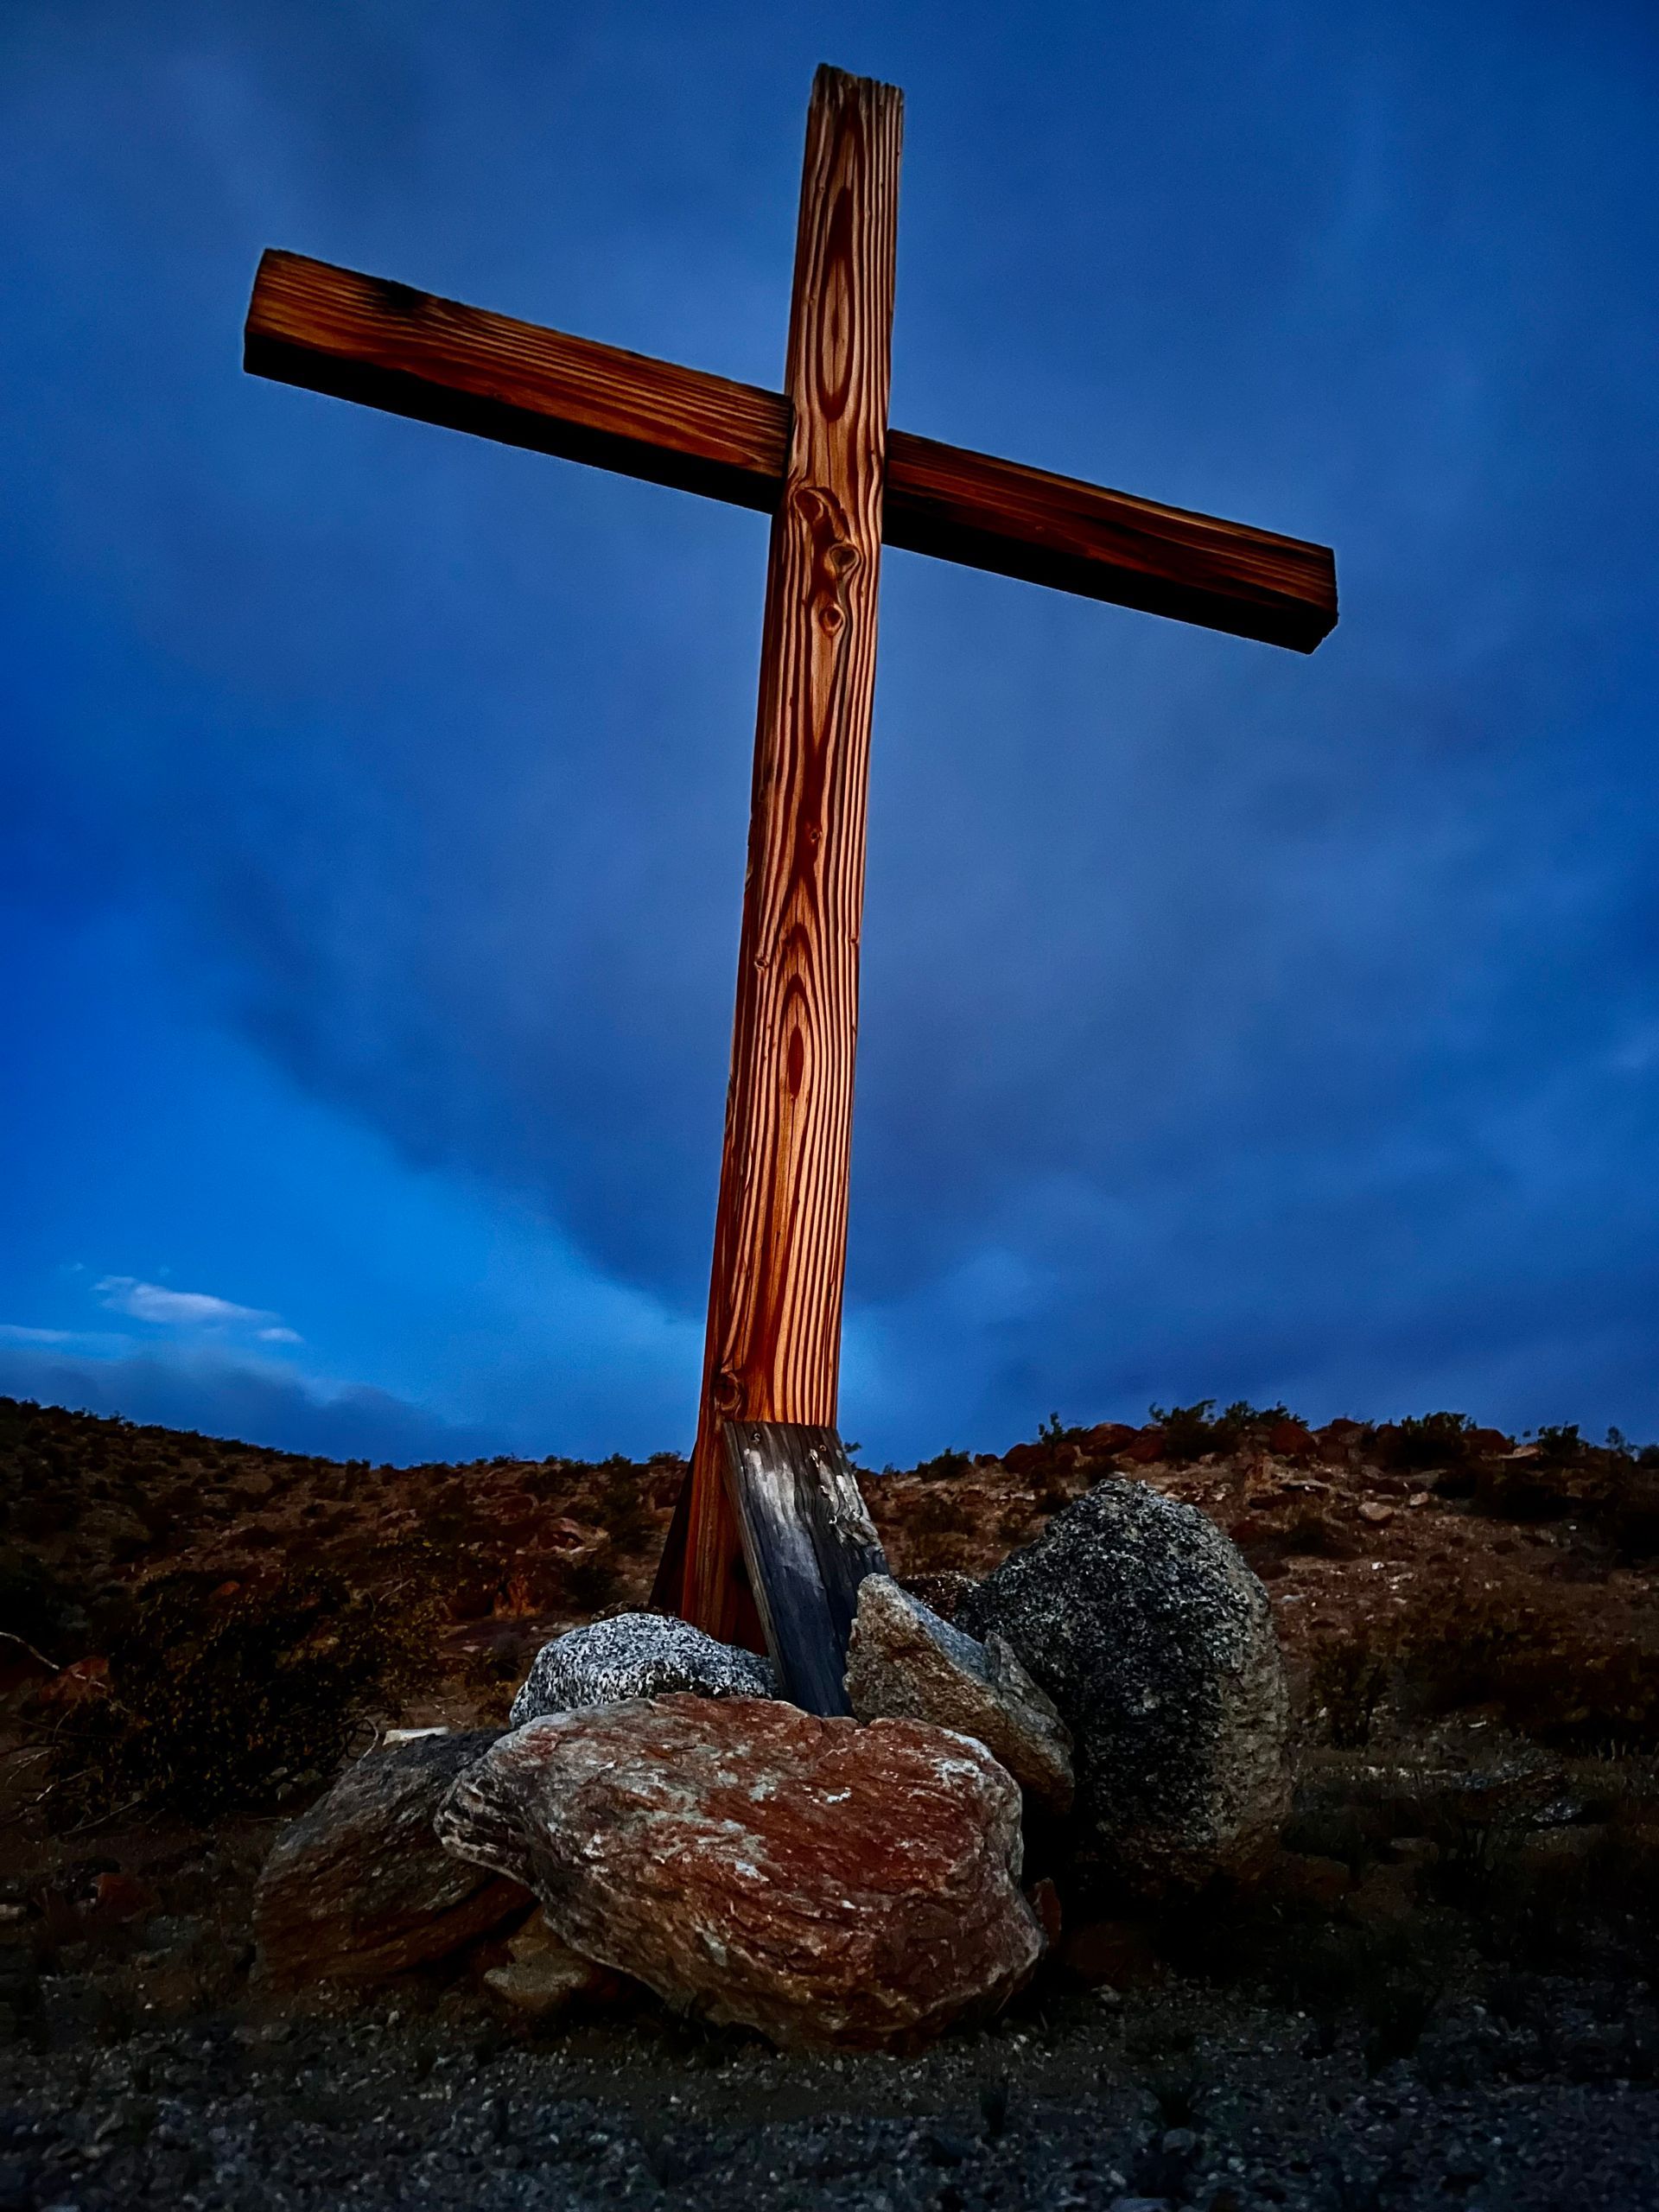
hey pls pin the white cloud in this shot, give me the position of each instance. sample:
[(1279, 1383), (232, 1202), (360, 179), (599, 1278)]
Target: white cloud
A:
[(96, 1343), (189, 1309)]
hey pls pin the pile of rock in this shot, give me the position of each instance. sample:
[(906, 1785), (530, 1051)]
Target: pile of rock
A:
[(758, 1865), (359, 1888), (656, 1818), (1144, 1625)]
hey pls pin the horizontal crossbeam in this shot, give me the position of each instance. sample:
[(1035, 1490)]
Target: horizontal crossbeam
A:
[(410, 353)]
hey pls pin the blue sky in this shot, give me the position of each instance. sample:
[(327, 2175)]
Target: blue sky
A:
[(372, 799)]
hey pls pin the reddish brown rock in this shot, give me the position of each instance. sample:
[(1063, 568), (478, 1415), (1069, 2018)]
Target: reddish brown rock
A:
[(1337, 1436), (542, 1976), (1044, 1901), (121, 1897), (1108, 1436), (358, 1888), (824, 1883), (1289, 1439)]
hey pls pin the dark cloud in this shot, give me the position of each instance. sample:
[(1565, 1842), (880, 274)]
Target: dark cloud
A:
[(1229, 1017), (219, 1397)]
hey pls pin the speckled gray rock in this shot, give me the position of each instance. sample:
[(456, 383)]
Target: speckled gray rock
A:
[(636, 1654), (358, 1888), (1155, 1641), (905, 1663)]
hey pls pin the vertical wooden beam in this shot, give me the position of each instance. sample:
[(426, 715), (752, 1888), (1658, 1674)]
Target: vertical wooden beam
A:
[(773, 1344), (808, 1544)]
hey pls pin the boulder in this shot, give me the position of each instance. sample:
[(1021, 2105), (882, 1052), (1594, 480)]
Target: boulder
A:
[(905, 1663), (636, 1654), (543, 1976), (1155, 1641), (754, 1863), (358, 1888)]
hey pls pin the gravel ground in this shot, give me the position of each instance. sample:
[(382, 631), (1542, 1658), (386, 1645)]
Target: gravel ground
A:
[(1168, 2097)]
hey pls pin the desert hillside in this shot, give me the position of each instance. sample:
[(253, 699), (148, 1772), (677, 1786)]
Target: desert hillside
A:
[(1444, 1980), (1427, 1564)]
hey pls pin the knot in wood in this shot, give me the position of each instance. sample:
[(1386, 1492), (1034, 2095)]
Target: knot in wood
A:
[(832, 558), (402, 303)]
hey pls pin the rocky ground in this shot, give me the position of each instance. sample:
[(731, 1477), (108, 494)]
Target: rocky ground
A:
[(1166, 2095), (1443, 1991)]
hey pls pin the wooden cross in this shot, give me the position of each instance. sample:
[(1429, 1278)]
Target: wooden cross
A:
[(820, 460)]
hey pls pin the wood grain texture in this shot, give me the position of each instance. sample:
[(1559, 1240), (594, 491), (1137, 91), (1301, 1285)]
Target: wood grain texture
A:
[(364, 339), (808, 1542), (410, 353), (773, 1347), (986, 513), (819, 458)]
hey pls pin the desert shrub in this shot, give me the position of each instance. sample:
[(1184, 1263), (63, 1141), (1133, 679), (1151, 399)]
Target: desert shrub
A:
[(1347, 1681), (592, 1579), (450, 1520), (1413, 1445), (624, 1505), (935, 1534), (1550, 1679), (1188, 1431), (554, 1480), (667, 1472), (1242, 1418), (1524, 1489), (1561, 1445), (37, 1606), (1388, 1976), (945, 1466), (230, 1696), (1539, 1909), (17, 1419), (44, 1513), (1546, 1675), (1614, 1490), (939, 1514), (1329, 1824), (506, 1657), (1305, 1532), (1310, 1533), (1632, 1515)]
